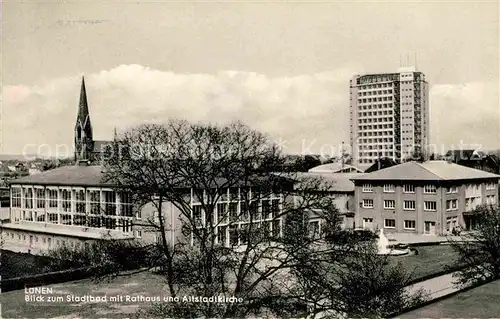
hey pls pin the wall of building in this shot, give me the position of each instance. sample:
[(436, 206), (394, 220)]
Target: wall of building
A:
[(445, 216)]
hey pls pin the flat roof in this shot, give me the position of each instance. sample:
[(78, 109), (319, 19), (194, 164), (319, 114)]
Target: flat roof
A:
[(66, 175)]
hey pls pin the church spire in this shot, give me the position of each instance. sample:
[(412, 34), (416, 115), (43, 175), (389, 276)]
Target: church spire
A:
[(83, 108), (84, 143)]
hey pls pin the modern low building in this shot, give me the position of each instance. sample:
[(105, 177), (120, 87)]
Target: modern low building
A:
[(72, 206), (424, 198), (340, 188)]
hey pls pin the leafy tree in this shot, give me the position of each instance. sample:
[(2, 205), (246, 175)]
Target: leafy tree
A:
[(479, 250)]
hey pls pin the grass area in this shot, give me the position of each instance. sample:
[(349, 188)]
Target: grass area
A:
[(480, 302), (142, 284), (20, 265), (430, 260)]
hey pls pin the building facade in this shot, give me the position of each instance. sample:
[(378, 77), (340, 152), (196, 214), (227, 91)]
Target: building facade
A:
[(423, 198), (389, 115), (72, 206)]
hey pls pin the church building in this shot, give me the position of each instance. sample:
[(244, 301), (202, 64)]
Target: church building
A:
[(86, 148)]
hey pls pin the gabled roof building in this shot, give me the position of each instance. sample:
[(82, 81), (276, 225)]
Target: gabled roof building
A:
[(432, 197)]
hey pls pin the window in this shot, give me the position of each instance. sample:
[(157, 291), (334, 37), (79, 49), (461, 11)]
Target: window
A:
[(452, 204), (222, 235), (409, 205), (126, 204), (389, 188), (430, 206), (109, 203), (430, 189), (266, 209), (222, 210), (52, 198), (233, 211), (452, 190), (138, 233), (80, 201), (28, 197), (389, 204), (66, 200), (367, 203), (233, 235), (490, 186), (52, 218), (409, 224), (198, 215), (40, 197), (390, 223), (16, 197), (314, 229), (367, 188), (407, 188), (234, 194)]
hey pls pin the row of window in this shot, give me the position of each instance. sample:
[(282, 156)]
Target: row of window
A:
[(391, 223), (33, 239), (451, 204), (407, 204), (379, 133), (490, 186), (375, 120), (120, 223), (232, 194), (376, 99), (375, 86), (378, 92), (376, 106), (77, 200), (238, 234), (375, 127), (375, 113), (225, 212), (407, 188)]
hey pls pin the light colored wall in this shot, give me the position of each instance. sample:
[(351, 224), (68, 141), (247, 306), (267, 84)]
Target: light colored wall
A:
[(420, 215)]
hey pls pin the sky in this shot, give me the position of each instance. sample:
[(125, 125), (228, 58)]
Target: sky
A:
[(281, 67)]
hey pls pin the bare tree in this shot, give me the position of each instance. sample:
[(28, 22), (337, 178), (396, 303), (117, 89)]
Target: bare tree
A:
[(478, 251), (244, 228)]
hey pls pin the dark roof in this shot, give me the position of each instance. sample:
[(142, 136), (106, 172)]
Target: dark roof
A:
[(93, 176), (427, 171), (384, 163), (66, 175)]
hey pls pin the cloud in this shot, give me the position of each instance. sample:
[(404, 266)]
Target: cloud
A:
[(465, 114), (305, 112), (14, 94)]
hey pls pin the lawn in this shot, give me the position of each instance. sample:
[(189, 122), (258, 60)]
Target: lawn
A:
[(143, 284), (430, 260), (480, 302), (20, 265)]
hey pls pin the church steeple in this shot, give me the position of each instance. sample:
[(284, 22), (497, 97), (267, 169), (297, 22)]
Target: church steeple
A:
[(83, 128)]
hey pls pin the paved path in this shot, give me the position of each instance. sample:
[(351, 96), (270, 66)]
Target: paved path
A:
[(436, 287), (415, 239)]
